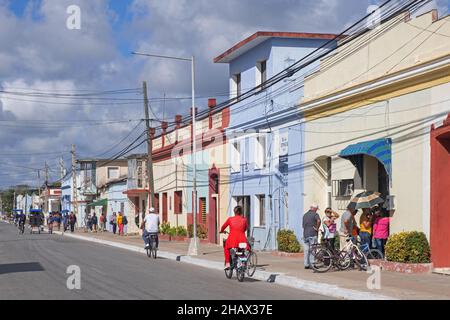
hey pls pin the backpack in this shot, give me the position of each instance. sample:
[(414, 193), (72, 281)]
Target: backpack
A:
[(124, 220)]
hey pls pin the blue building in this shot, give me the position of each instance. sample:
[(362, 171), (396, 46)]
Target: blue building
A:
[(265, 133), (66, 192)]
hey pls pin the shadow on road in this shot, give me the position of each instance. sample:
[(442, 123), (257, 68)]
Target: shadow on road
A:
[(20, 267)]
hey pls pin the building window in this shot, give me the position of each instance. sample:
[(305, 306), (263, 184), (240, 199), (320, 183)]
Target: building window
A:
[(236, 156), (260, 210), (202, 205), (260, 152), (122, 207), (139, 174), (156, 202), (236, 85), (178, 202), (113, 173), (343, 188), (261, 73)]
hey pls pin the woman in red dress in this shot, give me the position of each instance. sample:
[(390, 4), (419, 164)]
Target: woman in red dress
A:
[(238, 228)]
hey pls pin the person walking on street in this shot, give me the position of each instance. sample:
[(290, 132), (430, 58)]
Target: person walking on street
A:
[(381, 229), (113, 222), (102, 222), (311, 225), (94, 222), (347, 223), (72, 221), (120, 223), (125, 224)]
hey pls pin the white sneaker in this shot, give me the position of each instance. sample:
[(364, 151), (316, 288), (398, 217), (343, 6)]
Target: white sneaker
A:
[(147, 246)]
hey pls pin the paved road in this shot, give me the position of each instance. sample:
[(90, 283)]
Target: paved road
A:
[(34, 267)]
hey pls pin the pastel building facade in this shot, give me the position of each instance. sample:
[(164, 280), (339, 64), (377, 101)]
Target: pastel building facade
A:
[(374, 120), (264, 136)]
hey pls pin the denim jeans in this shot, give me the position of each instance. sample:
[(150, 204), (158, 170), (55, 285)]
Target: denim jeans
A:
[(308, 259), (380, 244), (365, 238)]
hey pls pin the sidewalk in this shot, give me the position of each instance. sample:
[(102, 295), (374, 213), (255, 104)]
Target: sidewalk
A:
[(289, 271)]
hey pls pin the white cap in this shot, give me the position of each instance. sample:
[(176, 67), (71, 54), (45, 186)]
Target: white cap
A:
[(152, 210), (314, 206)]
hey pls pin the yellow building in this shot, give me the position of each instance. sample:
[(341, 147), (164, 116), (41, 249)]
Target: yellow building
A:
[(368, 112)]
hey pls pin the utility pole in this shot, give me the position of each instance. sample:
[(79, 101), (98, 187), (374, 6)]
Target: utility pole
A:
[(151, 184), (61, 166), (194, 246), (74, 182), (46, 173)]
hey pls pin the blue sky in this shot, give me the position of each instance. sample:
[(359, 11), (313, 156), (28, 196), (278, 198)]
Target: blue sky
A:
[(43, 54)]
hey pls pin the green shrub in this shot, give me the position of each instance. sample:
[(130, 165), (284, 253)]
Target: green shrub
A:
[(202, 232), (287, 241), (172, 231), (164, 227), (181, 231), (408, 247)]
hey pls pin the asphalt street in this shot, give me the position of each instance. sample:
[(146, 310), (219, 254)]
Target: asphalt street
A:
[(34, 266)]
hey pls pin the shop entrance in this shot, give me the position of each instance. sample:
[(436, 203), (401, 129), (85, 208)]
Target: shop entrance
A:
[(440, 195)]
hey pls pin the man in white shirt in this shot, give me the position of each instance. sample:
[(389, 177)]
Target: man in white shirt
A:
[(150, 226)]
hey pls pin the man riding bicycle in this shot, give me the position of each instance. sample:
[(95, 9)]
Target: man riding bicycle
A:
[(21, 219), (150, 226)]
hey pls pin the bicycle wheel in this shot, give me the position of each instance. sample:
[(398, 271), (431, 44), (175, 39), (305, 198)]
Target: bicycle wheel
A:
[(240, 273), (229, 273), (343, 260), (375, 254), (360, 259), (252, 262), (322, 260), (154, 250)]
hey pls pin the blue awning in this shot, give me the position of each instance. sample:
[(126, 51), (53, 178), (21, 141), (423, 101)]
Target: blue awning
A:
[(380, 149)]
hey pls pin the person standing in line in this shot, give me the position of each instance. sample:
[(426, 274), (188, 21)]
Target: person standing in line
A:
[(125, 224), (104, 222), (381, 229), (120, 223), (94, 222), (72, 221), (113, 222), (329, 226), (347, 222), (365, 227), (311, 225)]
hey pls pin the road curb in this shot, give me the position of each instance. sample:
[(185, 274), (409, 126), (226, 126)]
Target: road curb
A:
[(278, 278)]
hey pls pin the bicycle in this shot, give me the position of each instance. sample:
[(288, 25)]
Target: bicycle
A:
[(326, 257), (151, 249), (370, 253), (242, 260), (21, 227), (356, 254)]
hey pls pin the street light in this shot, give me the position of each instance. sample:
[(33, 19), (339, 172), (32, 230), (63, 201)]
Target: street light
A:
[(193, 247)]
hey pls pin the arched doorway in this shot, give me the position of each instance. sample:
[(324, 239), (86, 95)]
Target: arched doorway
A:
[(440, 195), (322, 181), (213, 213)]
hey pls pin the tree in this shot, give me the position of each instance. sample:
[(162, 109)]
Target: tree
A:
[(7, 201)]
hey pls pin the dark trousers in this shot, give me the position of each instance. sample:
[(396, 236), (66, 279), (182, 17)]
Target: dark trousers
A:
[(72, 226), (366, 238), (114, 226)]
